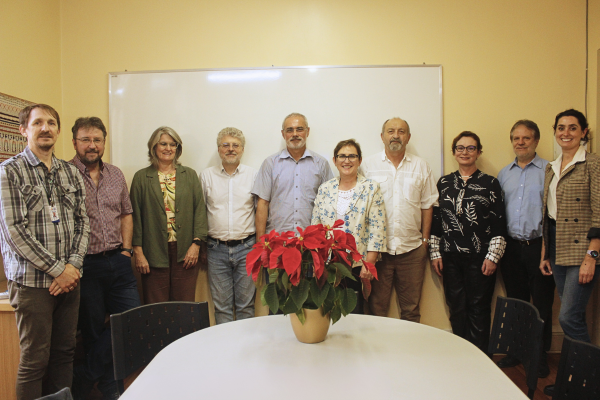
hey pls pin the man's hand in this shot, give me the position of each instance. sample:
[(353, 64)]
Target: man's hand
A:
[(141, 264), (438, 266), (488, 267), (67, 281), (365, 274)]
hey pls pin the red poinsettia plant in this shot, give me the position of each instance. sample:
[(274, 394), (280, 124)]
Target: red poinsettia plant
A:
[(306, 270)]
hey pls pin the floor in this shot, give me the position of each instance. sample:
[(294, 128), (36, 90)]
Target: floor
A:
[(517, 375)]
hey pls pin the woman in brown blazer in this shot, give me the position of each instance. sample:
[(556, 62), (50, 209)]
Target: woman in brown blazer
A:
[(572, 222)]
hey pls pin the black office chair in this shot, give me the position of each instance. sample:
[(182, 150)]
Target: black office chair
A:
[(517, 332), (578, 376), (140, 333), (63, 394)]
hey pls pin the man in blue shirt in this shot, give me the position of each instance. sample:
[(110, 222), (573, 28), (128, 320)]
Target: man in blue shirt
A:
[(523, 184), (287, 182)]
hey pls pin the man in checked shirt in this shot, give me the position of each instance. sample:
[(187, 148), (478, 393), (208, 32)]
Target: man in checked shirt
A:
[(108, 284), (44, 237)]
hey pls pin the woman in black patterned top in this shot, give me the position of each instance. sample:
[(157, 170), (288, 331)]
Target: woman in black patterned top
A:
[(467, 241)]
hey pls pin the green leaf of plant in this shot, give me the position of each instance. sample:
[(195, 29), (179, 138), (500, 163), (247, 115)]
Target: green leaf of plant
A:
[(329, 301), (289, 307), (273, 275), (317, 294), (344, 270), (271, 297), (262, 295), (300, 292), (336, 314), (348, 301), (285, 280), (301, 317)]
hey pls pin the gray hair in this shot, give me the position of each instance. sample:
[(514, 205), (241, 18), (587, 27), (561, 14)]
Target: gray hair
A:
[(233, 132), (387, 120), (294, 114), (155, 138)]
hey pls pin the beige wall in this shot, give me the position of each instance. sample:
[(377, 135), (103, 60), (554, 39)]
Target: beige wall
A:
[(502, 61)]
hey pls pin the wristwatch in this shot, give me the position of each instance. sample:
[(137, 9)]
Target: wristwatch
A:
[(593, 254), (426, 240), (130, 251), (197, 242)]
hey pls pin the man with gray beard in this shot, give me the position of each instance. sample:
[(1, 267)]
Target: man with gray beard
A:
[(409, 192)]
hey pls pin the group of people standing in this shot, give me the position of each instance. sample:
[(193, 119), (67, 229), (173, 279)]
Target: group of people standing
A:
[(69, 230)]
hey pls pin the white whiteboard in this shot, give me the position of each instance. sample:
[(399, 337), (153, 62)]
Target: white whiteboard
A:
[(339, 102)]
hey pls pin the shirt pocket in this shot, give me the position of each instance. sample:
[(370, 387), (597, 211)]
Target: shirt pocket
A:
[(32, 196), (68, 196), (412, 189)]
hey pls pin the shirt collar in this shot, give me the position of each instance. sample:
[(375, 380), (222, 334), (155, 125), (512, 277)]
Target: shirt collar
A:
[(35, 161), (237, 170), (83, 168), (578, 157), (384, 157), (286, 154), (537, 162)]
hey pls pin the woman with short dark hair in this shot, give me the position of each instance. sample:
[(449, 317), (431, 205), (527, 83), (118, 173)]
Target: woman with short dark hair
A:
[(467, 241)]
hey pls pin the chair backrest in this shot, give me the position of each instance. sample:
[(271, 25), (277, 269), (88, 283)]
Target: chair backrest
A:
[(140, 333), (63, 394), (578, 375), (517, 331)]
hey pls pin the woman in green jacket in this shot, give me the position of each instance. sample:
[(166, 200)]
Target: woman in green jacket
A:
[(169, 222)]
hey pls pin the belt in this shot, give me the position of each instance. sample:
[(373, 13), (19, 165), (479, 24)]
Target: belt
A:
[(529, 242), (232, 243), (106, 253)]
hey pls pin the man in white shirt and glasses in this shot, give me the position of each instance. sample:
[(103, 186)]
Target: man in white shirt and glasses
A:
[(409, 192), (231, 233)]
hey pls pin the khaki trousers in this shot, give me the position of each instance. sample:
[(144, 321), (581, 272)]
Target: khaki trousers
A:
[(405, 272)]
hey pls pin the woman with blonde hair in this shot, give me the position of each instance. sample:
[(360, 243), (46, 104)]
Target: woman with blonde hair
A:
[(169, 222)]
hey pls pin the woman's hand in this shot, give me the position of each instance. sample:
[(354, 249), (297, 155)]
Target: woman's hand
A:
[(437, 266), (191, 256), (587, 270), (141, 264), (365, 274), (546, 267), (489, 267)]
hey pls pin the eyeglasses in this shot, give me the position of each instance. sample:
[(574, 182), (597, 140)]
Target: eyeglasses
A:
[(470, 149), (350, 157), (172, 145), (234, 146), (299, 129), (86, 141)]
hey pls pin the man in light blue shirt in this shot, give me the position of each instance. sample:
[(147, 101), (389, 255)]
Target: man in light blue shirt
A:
[(287, 182), (522, 182)]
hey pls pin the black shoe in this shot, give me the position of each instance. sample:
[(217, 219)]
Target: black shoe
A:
[(508, 362), (549, 390), (544, 369)]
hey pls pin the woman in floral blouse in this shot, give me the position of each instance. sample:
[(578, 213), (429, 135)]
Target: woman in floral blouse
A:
[(357, 201), (467, 241), (169, 222)]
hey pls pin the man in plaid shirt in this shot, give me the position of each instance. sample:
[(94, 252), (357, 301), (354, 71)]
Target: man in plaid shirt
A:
[(44, 232), (107, 284)]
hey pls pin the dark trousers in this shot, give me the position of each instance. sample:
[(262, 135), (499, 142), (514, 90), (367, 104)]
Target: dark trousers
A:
[(107, 286), (47, 325), (524, 280), (469, 297)]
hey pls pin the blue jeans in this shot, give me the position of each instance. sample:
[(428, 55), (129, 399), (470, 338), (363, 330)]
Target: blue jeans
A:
[(107, 286), (574, 297), (229, 282)]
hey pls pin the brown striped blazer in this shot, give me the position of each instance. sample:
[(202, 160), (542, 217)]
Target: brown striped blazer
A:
[(578, 210)]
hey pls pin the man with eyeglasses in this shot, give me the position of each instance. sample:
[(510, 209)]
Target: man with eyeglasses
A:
[(409, 193), (230, 208), (108, 285), (522, 182), (288, 181)]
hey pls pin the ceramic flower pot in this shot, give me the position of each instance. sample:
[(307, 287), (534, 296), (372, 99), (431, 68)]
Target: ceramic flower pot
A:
[(315, 326)]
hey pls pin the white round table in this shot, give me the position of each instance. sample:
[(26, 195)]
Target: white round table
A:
[(363, 357)]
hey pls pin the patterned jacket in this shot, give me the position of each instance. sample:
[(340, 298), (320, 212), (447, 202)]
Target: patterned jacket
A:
[(578, 210), (365, 218)]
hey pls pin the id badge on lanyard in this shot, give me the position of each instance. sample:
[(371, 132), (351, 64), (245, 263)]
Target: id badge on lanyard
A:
[(52, 209), (53, 214)]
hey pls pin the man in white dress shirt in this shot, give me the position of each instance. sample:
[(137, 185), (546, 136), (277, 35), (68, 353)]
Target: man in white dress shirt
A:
[(231, 232), (409, 192)]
